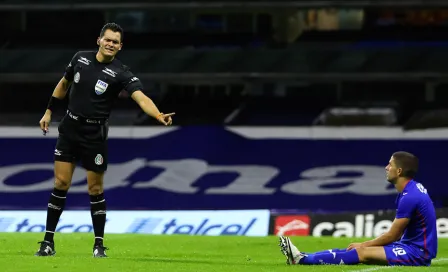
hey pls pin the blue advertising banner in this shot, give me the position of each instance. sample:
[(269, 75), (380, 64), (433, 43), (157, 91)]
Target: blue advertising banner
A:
[(204, 168), (241, 222)]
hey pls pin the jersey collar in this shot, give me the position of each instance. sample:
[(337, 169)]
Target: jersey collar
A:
[(405, 189)]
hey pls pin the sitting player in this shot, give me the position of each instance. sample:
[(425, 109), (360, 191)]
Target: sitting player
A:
[(411, 240)]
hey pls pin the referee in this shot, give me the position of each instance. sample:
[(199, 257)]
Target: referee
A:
[(95, 79)]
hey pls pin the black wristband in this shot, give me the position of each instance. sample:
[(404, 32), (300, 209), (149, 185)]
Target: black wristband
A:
[(54, 103)]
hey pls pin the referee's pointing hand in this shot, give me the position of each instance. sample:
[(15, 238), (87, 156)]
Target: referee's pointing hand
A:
[(165, 118)]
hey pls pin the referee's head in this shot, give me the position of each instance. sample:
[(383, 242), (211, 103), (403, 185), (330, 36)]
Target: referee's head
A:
[(110, 40)]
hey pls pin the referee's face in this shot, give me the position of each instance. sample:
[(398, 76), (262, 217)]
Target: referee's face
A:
[(110, 43)]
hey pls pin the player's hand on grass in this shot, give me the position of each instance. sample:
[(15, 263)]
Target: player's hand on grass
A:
[(354, 246), (45, 122), (165, 118)]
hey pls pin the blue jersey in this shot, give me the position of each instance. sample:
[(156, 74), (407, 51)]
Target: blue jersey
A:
[(414, 203)]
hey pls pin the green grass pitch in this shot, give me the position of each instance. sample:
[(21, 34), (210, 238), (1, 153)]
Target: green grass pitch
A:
[(152, 253)]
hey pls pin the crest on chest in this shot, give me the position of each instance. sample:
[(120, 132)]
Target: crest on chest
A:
[(100, 87)]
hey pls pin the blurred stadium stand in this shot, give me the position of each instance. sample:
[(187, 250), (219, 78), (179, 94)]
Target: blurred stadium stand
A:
[(292, 66)]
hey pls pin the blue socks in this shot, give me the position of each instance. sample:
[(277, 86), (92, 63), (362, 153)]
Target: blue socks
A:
[(336, 257), (336, 250)]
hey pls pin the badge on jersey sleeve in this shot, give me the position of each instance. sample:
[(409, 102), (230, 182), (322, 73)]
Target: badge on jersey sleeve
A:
[(77, 77), (100, 87)]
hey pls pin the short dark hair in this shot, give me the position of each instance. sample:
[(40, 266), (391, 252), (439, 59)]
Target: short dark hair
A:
[(406, 161), (114, 27)]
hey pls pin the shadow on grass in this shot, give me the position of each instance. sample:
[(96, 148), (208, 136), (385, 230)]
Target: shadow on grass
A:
[(199, 261)]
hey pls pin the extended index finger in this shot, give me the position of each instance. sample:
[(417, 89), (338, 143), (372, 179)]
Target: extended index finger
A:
[(169, 114)]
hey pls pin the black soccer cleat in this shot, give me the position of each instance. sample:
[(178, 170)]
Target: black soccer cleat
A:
[(99, 251), (46, 249)]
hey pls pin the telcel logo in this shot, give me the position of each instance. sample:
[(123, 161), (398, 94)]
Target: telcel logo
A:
[(204, 227), (26, 226)]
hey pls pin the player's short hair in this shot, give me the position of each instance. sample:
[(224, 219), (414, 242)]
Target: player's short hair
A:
[(114, 27), (406, 161)]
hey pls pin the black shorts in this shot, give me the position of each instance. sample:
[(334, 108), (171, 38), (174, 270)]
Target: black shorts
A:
[(79, 141)]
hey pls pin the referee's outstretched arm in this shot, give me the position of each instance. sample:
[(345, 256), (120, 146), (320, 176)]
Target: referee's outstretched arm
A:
[(148, 106)]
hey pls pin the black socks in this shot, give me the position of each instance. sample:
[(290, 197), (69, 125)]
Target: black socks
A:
[(98, 213), (55, 208)]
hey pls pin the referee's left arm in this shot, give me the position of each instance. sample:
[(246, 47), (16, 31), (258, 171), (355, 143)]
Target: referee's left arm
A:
[(148, 106), (145, 103), (133, 86)]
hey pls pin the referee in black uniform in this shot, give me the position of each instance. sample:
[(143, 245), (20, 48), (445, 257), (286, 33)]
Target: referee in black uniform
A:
[(95, 79)]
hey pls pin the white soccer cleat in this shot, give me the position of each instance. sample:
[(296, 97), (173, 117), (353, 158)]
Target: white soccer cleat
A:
[(293, 255)]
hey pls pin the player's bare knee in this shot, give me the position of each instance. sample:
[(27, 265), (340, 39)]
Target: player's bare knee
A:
[(62, 182), (63, 173), (95, 182), (95, 188), (361, 254)]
